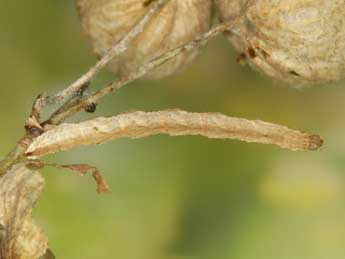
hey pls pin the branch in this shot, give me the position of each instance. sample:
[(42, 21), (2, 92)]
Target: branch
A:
[(68, 111), (116, 50), (175, 123), (33, 126)]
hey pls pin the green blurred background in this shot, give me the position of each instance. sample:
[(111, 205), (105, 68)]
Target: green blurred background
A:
[(183, 197)]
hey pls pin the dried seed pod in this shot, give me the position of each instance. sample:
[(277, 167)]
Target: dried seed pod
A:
[(290, 40), (106, 22), (21, 238)]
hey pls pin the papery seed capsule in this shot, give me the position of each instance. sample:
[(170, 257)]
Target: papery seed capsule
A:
[(106, 22), (290, 40)]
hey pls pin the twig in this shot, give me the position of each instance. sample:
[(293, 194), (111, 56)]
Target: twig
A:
[(140, 124), (67, 112), (117, 49), (15, 155), (31, 123)]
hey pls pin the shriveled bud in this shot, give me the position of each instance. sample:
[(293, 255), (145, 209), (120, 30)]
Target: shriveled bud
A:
[(290, 40), (106, 22)]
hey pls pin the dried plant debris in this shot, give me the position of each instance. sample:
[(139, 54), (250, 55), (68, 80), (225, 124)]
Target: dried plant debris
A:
[(172, 122), (176, 23), (299, 42), (20, 238), (83, 169)]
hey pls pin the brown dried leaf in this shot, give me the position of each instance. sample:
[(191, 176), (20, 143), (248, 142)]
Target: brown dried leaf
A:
[(172, 122), (83, 169), (20, 189)]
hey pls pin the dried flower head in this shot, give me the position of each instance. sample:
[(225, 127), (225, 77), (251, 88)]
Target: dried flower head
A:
[(178, 22), (290, 40)]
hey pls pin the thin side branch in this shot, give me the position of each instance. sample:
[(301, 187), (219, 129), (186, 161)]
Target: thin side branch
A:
[(63, 114), (116, 50), (175, 123), (17, 154)]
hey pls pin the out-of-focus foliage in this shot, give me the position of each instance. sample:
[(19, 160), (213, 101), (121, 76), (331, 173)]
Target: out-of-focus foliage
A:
[(184, 197)]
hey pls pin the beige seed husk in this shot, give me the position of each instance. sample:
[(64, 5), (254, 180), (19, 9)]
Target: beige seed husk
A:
[(297, 41), (20, 189), (106, 22)]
